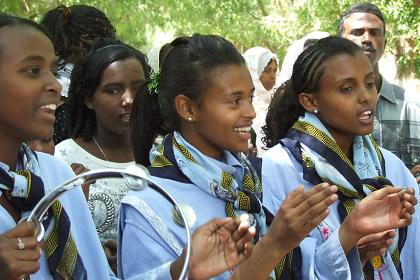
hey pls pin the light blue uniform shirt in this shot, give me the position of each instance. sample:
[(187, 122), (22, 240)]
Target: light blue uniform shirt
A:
[(147, 227), (281, 173), (53, 173)]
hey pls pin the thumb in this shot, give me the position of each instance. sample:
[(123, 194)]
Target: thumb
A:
[(384, 192)]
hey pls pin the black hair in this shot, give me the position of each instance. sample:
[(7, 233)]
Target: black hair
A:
[(163, 52), (75, 29), (8, 20), (85, 79), (187, 69), (364, 7), (285, 109)]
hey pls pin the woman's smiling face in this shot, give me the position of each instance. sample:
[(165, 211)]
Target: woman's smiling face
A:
[(224, 116), (29, 90)]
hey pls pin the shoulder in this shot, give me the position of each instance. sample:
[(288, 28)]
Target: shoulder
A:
[(53, 170), (396, 170)]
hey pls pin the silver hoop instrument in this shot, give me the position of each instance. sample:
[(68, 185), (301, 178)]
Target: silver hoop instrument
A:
[(136, 177)]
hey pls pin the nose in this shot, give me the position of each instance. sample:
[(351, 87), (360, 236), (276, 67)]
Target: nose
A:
[(54, 85), (127, 98), (367, 95), (249, 111), (366, 37)]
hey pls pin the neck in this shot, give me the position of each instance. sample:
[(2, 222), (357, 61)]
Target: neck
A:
[(9, 151), (206, 148), (117, 147)]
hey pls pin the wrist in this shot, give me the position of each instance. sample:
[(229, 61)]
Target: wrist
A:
[(273, 247), (348, 237), (176, 266)]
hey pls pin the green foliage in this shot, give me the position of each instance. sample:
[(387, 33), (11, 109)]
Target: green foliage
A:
[(274, 24)]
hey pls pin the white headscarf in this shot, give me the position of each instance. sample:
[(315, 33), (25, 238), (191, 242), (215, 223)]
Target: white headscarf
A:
[(257, 59), (295, 49)]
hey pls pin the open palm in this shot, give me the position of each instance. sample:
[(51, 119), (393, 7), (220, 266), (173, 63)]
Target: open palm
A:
[(379, 211), (218, 246)]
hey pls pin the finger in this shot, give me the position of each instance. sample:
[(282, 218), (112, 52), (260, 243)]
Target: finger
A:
[(317, 203), (25, 268), (407, 196), (380, 236), (241, 231), (384, 192), (246, 238), (28, 255), (311, 223), (408, 208), (29, 243), (293, 197), (320, 200), (248, 250), (405, 221), (21, 230), (111, 244), (373, 253)]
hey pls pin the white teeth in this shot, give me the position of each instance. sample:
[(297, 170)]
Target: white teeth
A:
[(367, 113), (51, 107), (242, 129)]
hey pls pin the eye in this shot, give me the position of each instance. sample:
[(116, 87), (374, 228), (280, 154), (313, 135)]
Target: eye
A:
[(251, 98), (33, 71), (236, 101), (357, 32), (113, 90), (346, 89), (370, 84)]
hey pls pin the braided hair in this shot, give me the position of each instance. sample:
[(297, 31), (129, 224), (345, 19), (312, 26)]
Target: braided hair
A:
[(85, 79), (285, 108), (75, 29)]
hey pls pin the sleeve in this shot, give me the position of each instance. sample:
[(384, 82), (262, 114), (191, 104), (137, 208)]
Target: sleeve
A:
[(332, 263), (400, 176), (141, 251), (280, 175)]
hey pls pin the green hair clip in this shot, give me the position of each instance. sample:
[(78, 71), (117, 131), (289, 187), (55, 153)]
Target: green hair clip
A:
[(153, 85)]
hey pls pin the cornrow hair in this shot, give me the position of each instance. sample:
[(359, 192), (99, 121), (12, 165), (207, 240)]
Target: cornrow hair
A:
[(285, 108), (75, 29)]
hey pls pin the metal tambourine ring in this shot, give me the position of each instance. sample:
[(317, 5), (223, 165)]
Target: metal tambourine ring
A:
[(135, 176)]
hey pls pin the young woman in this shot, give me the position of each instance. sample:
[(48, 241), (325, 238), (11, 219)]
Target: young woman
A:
[(203, 98), (323, 120), (98, 111), (29, 92), (262, 64)]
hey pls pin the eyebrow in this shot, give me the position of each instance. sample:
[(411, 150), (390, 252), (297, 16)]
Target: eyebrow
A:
[(364, 28), (236, 93), (351, 79), (38, 58)]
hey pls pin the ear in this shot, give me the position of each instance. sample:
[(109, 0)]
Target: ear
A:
[(185, 107), (308, 102), (89, 102)]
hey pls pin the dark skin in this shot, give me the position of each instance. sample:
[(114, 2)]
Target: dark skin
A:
[(367, 31)]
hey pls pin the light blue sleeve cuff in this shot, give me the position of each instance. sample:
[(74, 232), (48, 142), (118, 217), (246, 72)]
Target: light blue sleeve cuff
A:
[(332, 263)]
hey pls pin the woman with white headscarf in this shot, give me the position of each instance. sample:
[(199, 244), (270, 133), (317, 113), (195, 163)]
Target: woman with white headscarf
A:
[(262, 64)]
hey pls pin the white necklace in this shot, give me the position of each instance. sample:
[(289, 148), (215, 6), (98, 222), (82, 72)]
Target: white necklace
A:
[(100, 149)]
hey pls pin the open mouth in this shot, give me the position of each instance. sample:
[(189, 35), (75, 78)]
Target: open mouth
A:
[(365, 115), (242, 130), (50, 108)]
